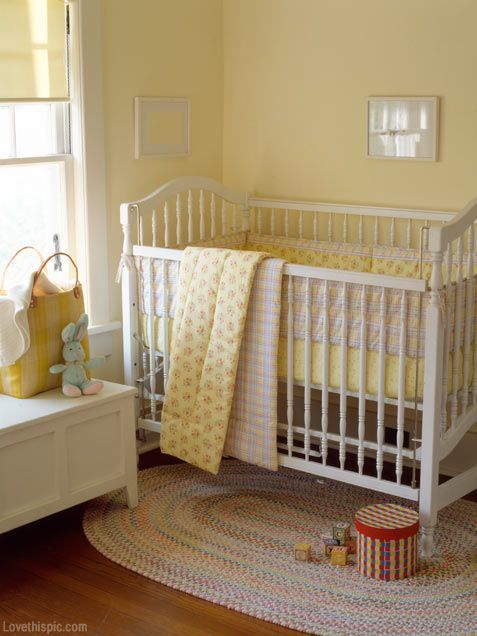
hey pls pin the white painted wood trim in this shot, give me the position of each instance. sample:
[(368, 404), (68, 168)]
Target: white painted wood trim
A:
[(457, 487), (87, 146)]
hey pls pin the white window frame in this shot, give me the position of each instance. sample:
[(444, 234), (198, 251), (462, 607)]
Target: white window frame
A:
[(88, 164)]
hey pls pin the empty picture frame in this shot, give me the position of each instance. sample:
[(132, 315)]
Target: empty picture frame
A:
[(162, 127), (402, 128)]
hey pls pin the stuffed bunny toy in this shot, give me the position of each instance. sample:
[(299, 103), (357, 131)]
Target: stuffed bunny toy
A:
[(75, 381)]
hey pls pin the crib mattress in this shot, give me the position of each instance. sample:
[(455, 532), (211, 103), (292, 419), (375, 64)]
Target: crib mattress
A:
[(334, 353)]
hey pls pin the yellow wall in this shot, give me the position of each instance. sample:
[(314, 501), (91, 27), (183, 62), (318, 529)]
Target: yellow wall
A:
[(157, 48), (297, 73)]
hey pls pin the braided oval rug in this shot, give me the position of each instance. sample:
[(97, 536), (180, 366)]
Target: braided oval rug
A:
[(229, 539)]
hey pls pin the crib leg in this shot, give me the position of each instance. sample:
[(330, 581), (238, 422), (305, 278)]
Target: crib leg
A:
[(131, 495), (427, 541)]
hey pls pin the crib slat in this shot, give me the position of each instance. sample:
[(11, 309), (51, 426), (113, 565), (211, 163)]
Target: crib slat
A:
[(307, 394), (447, 336), (360, 230), (381, 384), (166, 224), (190, 210), (409, 233), (154, 228), (344, 375), (330, 227), (300, 225), (290, 364), (272, 222), (345, 228), (376, 230), (287, 222), (259, 220), (469, 314), (152, 343), (457, 336), (325, 372), (212, 216), (234, 218), (165, 319), (426, 236), (401, 386), (392, 232), (224, 218), (201, 216), (315, 226), (179, 219), (362, 380), (141, 231)]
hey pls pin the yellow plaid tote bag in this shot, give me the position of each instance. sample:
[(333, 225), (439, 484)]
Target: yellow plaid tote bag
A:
[(47, 315)]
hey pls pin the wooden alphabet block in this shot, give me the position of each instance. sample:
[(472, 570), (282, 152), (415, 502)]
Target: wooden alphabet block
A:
[(328, 544), (351, 545), (303, 552), (339, 555), (341, 532)]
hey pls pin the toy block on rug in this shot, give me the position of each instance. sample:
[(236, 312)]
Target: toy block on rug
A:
[(339, 555), (328, 544), (303, 552), (341, 532)]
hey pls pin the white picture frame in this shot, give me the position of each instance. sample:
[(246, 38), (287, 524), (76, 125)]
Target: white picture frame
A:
[(402, 128), (161, 127)]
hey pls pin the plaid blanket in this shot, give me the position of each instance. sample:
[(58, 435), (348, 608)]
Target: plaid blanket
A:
[(252, 430)]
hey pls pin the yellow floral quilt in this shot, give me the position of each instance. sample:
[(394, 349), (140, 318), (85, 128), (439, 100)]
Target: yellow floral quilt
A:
[(212, 300)]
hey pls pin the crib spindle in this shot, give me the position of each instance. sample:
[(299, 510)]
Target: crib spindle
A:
[(409, 234), (376, 230), (315, 226), (401, 386), (360, 230), (224, 218), (272, 222), (457, 330), (165, 320), (447, 337), (392, 232), (259, 221), (201, 216), (290, 365), (426, 235), (190, 210), (345, 228), (166, 224), (141, 231), (344, 376), (381, 384), (234, 219), (330, 227), (469, 316), (152, 342), (300, 225), (212, 216), (325, 372), (287, 223), (154, 228), (179, 219), (307, 394), (362, 381)]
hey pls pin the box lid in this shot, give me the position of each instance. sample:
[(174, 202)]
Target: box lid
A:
[(387, 521)]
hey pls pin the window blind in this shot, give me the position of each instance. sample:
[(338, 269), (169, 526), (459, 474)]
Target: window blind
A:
[(33, 49)]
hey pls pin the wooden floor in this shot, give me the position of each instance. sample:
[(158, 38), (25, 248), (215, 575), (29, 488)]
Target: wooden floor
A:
[(50, 573)]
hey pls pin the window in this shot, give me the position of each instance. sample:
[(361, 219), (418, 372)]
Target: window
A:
[(35, 176)]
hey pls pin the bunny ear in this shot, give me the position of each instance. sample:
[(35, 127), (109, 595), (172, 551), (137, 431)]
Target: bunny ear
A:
[(81, 327), (68, 333)]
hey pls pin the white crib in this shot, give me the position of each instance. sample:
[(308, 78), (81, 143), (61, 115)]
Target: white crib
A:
[(192, 209)]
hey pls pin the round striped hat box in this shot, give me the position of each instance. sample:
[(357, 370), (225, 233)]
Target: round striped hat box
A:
[(387, 541)]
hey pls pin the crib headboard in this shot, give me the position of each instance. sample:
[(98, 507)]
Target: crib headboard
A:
[(192, 209)]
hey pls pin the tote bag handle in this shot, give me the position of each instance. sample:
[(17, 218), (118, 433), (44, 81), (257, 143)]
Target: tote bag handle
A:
[(26, 247), (76, 288)]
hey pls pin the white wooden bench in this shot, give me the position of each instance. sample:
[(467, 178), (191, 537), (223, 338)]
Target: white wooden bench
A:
[(56, 452)]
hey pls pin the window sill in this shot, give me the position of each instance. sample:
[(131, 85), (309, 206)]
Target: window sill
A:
[(101, 338)]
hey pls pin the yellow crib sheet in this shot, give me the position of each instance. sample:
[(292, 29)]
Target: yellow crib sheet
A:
[(353, 364)]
